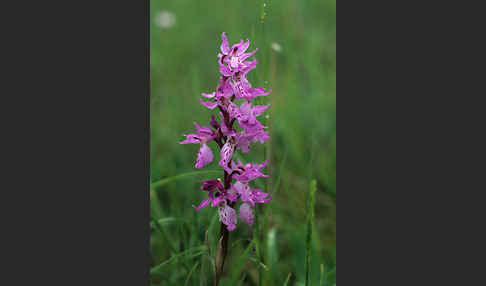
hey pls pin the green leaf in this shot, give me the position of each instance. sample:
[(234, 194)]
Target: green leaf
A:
[(185, 255), (181, 176)]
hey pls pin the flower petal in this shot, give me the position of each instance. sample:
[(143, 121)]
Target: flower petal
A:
[(251, 172), (236, 47), (226, 155), (244, 191), (208, 95), (247, 55), (208, 104), (243, 47), (224, 70), (243, 142), (246, 213), (204, 156), (202, 130), (260, 136), (203, 204), (224, 44), (217, 200), (254, 92), (259, 109), (249, 66), (227, 215), (191, 139), (258, 196), (232, 195)]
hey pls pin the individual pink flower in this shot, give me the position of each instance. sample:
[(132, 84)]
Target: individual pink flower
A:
[(227, 215), (224, 90), (203, 204), (235, 56), (246, 213), (249, 195), (242, 87), (214, 198), (247, 116), (231, 195), (244, 140), (217, 194), (260, 136), (248, 172), (203, 136)]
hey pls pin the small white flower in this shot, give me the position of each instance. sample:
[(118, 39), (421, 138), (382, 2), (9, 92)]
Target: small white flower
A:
[(276, 47), (165, 19)]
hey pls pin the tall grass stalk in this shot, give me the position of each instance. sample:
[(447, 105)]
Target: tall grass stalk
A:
[(222, 252), (256, 238), (321, 280), (310, 223), (287, 280), (237, 267), (190, 273), (259, 231)]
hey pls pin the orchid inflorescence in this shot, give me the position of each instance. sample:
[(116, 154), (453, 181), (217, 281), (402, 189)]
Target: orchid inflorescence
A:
[(233, 85)]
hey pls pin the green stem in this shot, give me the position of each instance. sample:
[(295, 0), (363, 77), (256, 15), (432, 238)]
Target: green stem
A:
[(222, 251), (310, 222)]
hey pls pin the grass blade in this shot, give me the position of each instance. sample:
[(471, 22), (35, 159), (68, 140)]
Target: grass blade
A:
[(241, 280), (272, 255), (185, 254), (163, 221), (239, 264), (157, 225), (256, 238), (190, 273), (180, 176), (321, 280), (259, 263), (277, 185), (310, 223), (288, 279)]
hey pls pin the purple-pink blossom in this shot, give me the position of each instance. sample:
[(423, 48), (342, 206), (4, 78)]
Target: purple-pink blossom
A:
[(249, 195), (234, 188), (227, 215), (234, 57), (203, 136), (248, 172), (246, 213)]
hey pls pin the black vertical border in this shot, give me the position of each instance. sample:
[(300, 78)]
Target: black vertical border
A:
[(75, 194), (411, 143), (146, 206)]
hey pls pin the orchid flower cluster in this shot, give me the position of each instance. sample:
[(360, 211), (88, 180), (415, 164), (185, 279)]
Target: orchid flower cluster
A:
[(233, 85)]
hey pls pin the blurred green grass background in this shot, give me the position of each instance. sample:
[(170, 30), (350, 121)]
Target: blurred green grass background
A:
[(184, 42)]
